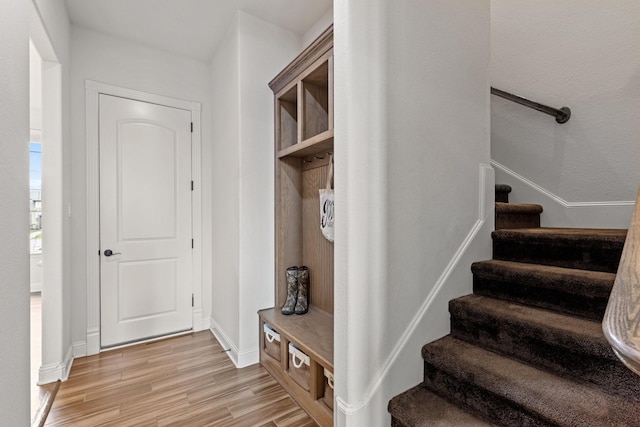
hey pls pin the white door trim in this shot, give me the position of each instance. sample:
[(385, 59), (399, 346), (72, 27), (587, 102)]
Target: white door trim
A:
[(93, 89)]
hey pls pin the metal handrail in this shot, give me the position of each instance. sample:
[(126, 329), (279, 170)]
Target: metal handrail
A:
[(562, 114)]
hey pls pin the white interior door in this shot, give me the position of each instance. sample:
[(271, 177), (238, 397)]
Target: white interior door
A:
[(145, 220)]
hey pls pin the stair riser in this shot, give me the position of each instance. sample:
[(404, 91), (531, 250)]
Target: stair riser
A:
[(502, 193), (531, 344), (518, 343), (499, 410), (596, 256), (502, 197), (550, 299), (511, 221)]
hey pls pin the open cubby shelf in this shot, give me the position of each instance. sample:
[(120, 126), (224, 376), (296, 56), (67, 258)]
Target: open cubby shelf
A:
[(303, 104), (321, 143)]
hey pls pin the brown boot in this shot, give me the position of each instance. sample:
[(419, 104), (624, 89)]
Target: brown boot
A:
[(302, 305), (292, 291)]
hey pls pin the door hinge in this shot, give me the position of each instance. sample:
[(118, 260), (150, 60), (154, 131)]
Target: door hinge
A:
[(191, 185), (191, 243), (191, 127), (193, 304)]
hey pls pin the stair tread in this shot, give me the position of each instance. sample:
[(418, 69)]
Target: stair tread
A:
[(559, 400), (587, 234), (584, 282), (420, 407), (517, 208), (562, 330)]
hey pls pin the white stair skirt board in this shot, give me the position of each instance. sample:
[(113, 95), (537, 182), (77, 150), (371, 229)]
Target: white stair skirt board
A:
[(559, 212)]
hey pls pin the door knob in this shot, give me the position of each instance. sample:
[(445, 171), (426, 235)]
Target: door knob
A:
[(109, 252)]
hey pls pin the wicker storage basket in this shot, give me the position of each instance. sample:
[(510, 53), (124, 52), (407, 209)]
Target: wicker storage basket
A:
[(299, 364), (271, 342)]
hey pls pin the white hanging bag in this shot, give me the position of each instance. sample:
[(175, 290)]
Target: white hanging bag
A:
[(326, 205)]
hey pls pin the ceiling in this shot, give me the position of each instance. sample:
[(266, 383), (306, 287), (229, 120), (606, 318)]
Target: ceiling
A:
[(191, 28)]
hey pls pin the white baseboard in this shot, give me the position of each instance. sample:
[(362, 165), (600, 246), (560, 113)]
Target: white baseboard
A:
[(558, 212), (93, 342), (50, 373), (227, 345), (79, 349), (240, 358), (56, 371), (248, 357)]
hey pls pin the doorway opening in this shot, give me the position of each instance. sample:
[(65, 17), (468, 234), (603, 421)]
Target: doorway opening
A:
[(48, 215), (35, 223), (94, 91)]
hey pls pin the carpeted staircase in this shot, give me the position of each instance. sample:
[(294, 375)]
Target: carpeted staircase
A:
[(527, 348)]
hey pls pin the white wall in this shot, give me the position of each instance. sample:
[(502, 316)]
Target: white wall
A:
[(225, 164), (412, 149), (252, 53), (14, 192), (318, 28), (578, 53), (113, 61), (35, 89), (264, 49)]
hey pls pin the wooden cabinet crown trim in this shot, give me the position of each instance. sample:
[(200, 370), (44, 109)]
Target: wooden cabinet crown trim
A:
[(315, 50)]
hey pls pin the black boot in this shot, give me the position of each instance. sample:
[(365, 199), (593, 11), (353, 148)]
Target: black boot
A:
[(302, 305), (292, 291)]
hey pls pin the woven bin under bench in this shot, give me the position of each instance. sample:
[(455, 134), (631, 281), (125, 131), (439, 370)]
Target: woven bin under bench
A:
[(299, 366), (271, 342)]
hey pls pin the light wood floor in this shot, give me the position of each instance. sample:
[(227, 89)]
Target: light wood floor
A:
[(182, 381)]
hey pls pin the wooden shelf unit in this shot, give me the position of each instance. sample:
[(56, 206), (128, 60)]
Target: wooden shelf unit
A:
[(303, 105)]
